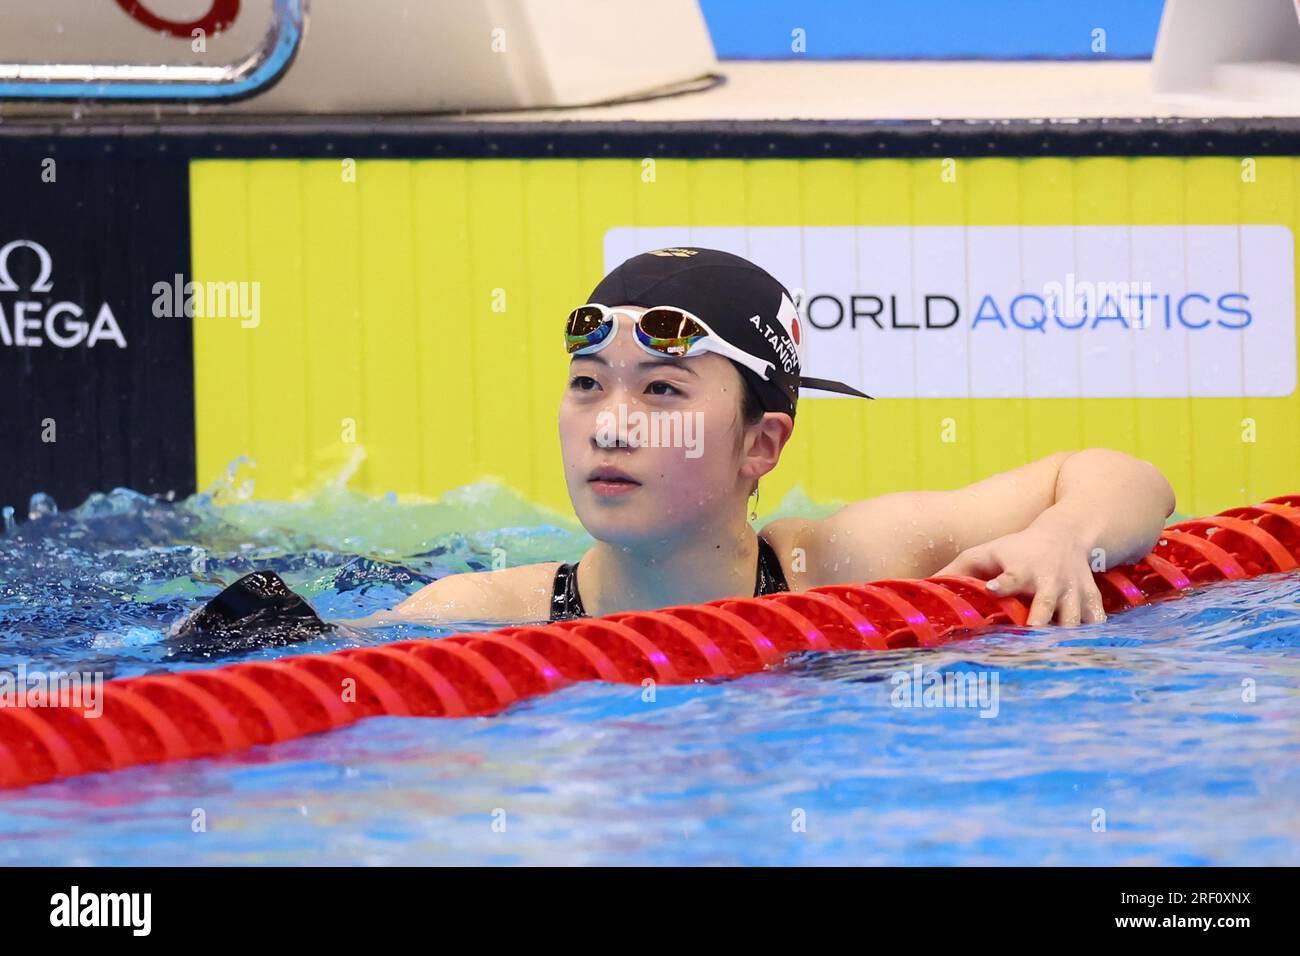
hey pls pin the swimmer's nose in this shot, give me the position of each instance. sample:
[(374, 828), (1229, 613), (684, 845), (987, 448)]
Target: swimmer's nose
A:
[(610, 427), (614, 439)]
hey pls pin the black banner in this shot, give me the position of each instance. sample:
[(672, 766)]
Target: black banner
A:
[(96, 391), (931, 909)]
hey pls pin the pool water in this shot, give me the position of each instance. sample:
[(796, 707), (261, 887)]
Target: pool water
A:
[(1168, 735)]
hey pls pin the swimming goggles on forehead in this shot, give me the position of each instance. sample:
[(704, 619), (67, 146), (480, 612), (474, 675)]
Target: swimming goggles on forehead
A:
[(662, 330)]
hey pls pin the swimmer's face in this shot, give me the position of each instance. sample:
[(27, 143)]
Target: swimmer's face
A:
[(654, 447)]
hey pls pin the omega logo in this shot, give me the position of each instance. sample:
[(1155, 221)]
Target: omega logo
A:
[(62, 325)]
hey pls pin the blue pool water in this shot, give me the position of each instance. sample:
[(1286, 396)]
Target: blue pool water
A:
[(1168, 735)]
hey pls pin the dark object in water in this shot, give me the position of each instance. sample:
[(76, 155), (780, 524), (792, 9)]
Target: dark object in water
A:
[(256, 611), (366, 573)]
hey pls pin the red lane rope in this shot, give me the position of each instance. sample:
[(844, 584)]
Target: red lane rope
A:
[(222, 710)]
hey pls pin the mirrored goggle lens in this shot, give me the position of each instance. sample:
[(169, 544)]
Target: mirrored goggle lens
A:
[(586, 326), (669, 331)]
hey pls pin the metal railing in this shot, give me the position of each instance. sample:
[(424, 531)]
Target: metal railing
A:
[(255, 73)]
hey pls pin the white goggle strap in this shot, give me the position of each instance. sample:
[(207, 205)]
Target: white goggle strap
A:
[(709, 343), (720, 346)]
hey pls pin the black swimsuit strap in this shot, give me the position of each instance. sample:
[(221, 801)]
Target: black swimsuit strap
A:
[(566, 602), (771, 578)]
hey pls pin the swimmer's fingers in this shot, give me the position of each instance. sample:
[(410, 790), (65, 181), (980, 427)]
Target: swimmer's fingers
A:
[(1078, 600), (1073, 602), (1044, 589), (1093, 610), (1043, 607), (976, 562), (1028, 566), (1009, 583), (1067, 607), (985, 561)]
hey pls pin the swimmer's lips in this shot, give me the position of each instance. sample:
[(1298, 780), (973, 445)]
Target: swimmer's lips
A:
[(607, 473), (611, 481)]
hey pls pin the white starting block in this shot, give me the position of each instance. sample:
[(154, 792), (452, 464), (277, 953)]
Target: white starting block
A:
[(1239, 50), (353, 56)]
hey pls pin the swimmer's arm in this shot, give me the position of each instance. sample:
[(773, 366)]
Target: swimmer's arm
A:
[(1097, 499), (1059, 510), (488, 596)]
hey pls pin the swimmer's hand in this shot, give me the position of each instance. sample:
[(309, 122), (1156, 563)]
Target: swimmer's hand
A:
[(1046, 561)]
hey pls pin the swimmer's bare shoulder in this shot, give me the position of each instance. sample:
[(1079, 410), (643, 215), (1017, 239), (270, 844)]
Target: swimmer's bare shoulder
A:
[(508, 595), (866, 540), (786, 536)]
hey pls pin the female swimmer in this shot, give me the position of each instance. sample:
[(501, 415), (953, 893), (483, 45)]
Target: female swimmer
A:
[(705, 347)]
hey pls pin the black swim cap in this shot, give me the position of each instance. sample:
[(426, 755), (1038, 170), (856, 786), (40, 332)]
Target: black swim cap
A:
[(741, 302)]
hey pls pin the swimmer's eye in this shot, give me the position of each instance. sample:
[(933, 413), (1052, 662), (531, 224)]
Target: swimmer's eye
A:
[(585, 383)]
